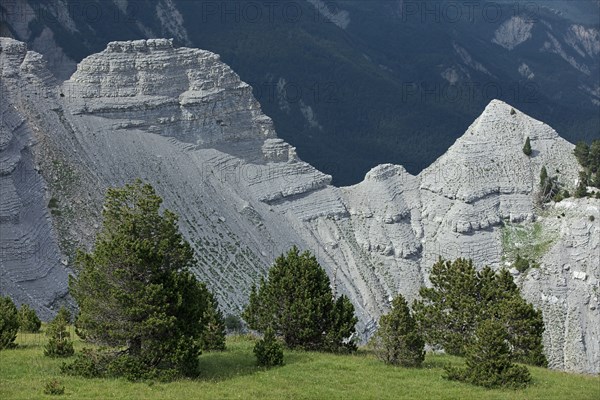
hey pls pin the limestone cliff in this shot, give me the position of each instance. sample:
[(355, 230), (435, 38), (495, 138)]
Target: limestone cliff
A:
[(182, 120)]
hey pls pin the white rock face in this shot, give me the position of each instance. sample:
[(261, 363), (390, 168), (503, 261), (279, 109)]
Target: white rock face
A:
[(513, 32), (586, 41), (183, 121)]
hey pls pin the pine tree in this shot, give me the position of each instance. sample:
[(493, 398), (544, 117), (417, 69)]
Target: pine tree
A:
[(581, 190), (59, 344), (397, 341), (549, 186), (28, 319), (296, 301), (589, 159), (596, 181), (524, 326), (488, 360), (135, 290), (449, 312), (268, 351), (9, 323), (342, 327), (527, 147), (213, 334), (594, 158), (582, 153), (543, 177)]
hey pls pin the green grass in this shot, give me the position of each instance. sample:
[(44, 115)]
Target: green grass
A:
[(232, 374), (527, 239)]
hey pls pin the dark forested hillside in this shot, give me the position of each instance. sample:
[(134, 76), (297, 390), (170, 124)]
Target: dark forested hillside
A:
[(353, 84)]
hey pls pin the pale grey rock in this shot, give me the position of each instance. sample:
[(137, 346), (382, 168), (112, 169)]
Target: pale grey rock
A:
[(339, 17), (526, 72), (469, 61), (568, 285), (183, 121), (586, 41), (30, 269), (172, 21), (513, 32), (554, 46)]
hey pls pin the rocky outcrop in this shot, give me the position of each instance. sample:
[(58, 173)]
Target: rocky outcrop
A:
[(30, 259), (513, 32), (183, 121), (565, 286)]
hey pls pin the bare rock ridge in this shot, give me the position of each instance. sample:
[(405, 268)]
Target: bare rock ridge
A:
[(30, 270), (182, 120)]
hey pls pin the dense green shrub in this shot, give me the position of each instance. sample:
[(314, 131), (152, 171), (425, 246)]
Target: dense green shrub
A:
[(488, 360), (90, 363), (521, 264), (397, 341), (28, 319), (9, 323), (233, 324), (268, 351), (297, 302)]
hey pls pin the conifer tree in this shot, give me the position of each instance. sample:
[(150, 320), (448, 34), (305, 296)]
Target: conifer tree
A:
[(582, 153), (543, 177), (397, 341), (581, 190), (296, 301), (527, 147), (135, 290), (342, 327), (9, 323), (488, 360), (268, 351), (549, 186), (460, 298), (213, 334), (28, 319), (594, 163), (59, 344), (524, 327), (448, 311)]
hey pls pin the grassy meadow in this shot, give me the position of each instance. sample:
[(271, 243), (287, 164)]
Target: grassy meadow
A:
[(232, 374)]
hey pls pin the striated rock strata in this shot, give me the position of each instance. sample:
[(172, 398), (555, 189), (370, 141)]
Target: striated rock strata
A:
[(182, 120)]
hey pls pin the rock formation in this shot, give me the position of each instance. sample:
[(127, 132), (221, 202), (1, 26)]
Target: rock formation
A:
[(183, 121)]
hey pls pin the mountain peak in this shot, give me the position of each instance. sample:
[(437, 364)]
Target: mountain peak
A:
[(183, 121), (155, 87), (488, 157)]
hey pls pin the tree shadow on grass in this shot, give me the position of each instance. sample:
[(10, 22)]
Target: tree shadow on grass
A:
[(442, 361), (239, 361)]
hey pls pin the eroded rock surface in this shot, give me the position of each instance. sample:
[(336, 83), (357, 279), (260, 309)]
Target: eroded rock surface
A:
[(183, 121)]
